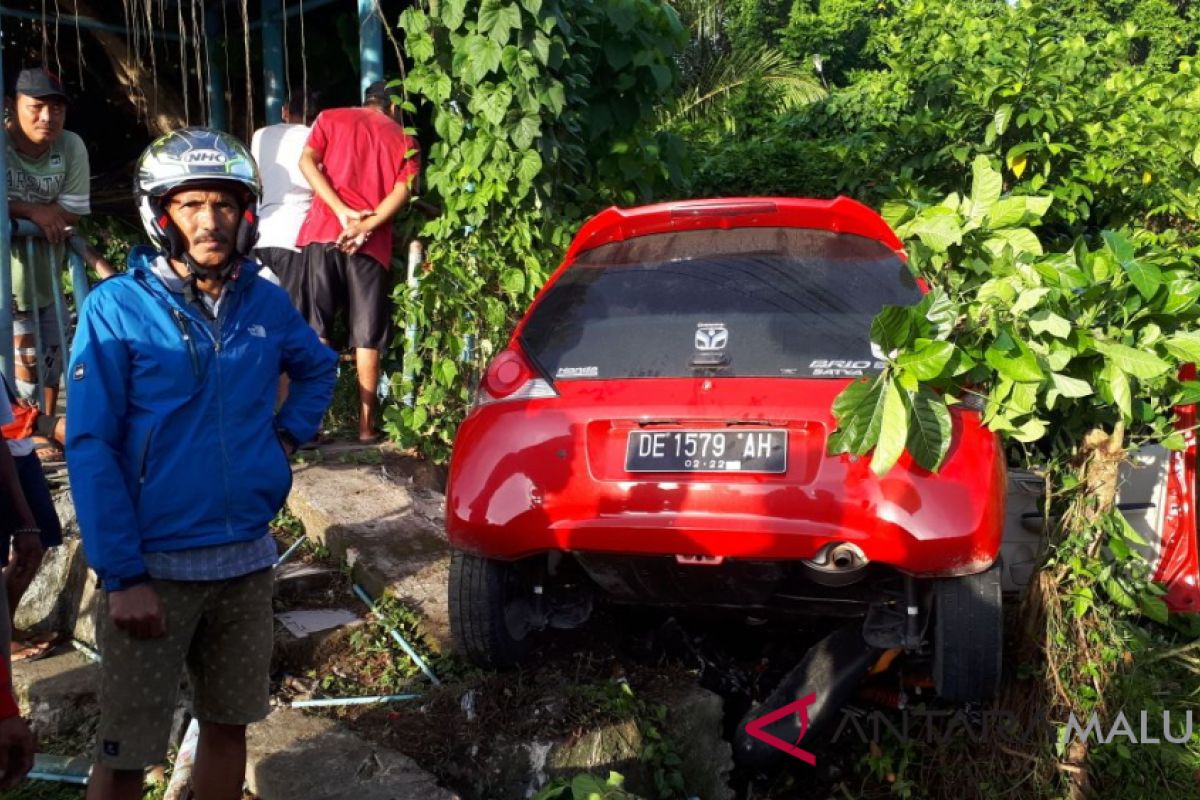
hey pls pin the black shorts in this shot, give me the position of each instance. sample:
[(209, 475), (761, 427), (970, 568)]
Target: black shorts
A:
[(41, 503), (357, 283), (291, 268)]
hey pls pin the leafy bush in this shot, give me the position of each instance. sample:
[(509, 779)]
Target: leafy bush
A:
[(541, 109)]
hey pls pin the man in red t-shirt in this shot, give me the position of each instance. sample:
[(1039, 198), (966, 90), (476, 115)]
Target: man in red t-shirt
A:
[(361, 166)]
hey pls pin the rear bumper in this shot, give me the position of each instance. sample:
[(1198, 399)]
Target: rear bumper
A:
[(540, 476)]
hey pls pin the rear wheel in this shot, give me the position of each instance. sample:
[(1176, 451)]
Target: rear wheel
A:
[(491, 610), (968, 646)]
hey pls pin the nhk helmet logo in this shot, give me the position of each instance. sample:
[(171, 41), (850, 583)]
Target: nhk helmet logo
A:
[(203, 157)]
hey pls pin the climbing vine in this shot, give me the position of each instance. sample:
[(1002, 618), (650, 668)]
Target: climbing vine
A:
[(540, 109)]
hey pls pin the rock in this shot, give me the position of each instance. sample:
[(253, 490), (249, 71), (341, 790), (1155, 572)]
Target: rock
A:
[(292, 756), (58, 693), (50, 602), (694, 723), (391, 535)]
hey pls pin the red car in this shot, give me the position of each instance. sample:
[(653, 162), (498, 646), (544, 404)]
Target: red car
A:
[(656, 431)]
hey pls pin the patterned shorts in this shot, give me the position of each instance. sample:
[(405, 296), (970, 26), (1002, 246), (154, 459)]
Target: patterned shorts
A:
[(221, 630)]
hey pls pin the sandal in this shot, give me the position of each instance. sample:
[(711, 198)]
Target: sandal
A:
[(48, 451), (31, 647)]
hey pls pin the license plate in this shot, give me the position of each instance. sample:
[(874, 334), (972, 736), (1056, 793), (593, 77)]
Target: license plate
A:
[(753, 450)]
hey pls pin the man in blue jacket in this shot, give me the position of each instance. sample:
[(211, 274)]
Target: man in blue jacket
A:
[(178, 462)]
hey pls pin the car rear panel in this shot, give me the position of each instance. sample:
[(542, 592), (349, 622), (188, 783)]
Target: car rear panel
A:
[(714, 317), (550, 474)]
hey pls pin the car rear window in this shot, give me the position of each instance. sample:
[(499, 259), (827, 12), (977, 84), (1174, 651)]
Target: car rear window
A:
[(763, 302)]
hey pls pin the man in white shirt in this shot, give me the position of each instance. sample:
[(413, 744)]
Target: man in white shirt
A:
[(286, 196)]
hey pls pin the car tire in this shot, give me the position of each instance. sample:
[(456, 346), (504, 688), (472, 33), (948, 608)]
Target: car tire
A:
[(484, 597), (968, 646)]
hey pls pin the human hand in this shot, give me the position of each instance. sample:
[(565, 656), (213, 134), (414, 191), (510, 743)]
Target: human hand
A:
[(346, 215), (353, 236), (16, 751), (52, 220), (138, 611)]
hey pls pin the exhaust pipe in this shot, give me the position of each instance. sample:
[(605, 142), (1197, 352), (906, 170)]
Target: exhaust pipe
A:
[(837, 564)]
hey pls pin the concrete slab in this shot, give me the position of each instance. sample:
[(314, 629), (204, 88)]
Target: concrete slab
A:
[(390, 534), (292, 756), (58, 693)]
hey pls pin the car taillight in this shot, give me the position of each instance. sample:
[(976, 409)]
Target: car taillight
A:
[(510, 377)]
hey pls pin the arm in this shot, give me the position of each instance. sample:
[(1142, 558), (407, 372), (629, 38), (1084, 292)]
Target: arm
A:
[(310, 166), (97, 405), (312, 370), (52, 218)]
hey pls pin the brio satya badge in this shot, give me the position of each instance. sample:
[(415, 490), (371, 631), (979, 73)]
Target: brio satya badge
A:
[(79, 371)]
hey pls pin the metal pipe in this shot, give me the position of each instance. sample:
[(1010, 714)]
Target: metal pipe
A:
[(416, 257), (60, 306), (7, 365), (87, 651), (49, 776), (370, 45), (39, 366), (353, 701), (273, 78), (79, 277), (395, 634), (291, 550)]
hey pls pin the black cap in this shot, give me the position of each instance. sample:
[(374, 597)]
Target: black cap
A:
[(40, 83), (378, 91)]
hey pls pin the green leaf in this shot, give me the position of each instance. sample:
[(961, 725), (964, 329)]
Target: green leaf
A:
[(480, 56), (662, 76), (858, 410), (452, 13), (1138, 363), (513, 281), (896, 212), (1021, 240), (1070, 387), (1185, 346), (448, 125), (498, 20), (534, 7), (931, 429), (529, 167), (892, 328), (1046, 321), (526, 131), (893, 432), (1145, 277), (937, 309), (927, 362), (1190, 393), (1118, 386), (1154, 607), (493, 102), (446, 371), (1018, 364), (1117, 593), (938, 232), (986, 185), (1027, 299)]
